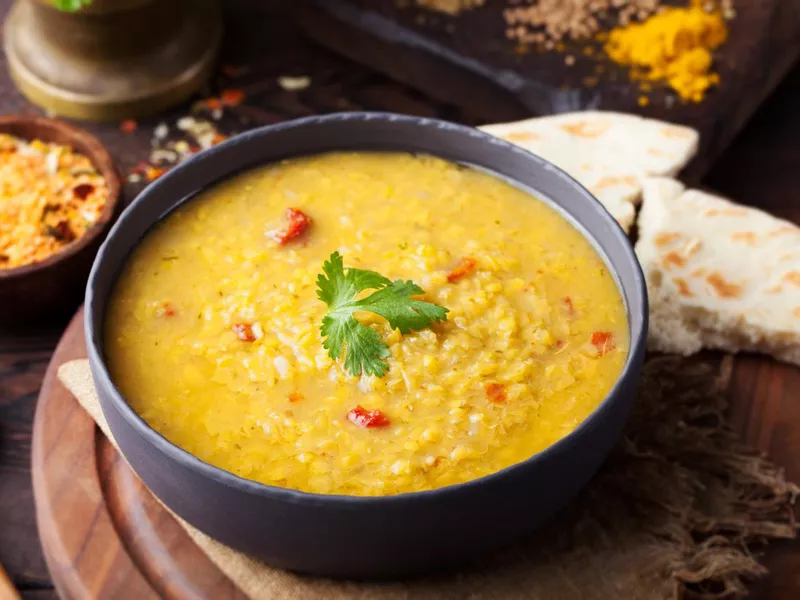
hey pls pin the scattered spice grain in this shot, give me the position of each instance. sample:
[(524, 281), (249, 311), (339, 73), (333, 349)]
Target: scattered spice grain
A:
[(294, 84), (451, 7), (128, 126)]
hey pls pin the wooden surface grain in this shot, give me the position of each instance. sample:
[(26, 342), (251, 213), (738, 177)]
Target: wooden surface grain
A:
[(761, 168), (469, 61)]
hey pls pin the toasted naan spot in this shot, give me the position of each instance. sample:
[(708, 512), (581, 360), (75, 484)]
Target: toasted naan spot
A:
[(589, 129), (683, 287), (674, 258), (786, 257), (724, 288), (655, 152), (747, 237), (793, 277), (775, 289), (675, 132), (664, 239), (782, 231), (586, 167), (698, 272), (521, 136), (725, 212), (797, 312)]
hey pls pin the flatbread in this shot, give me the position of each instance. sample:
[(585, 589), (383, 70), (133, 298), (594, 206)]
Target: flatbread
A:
[(608, 153), (719, 275)]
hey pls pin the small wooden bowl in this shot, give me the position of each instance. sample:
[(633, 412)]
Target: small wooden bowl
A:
[(53, 287)]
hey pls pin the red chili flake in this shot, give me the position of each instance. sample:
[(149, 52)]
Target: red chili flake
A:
[(464, 268), (166, 310), (128, 126), (218, 138), (61, 231), (368, 418), (495, 392), (569, 306), (231, 70), (82, 190), (603, 341), (559, 343), (296, 397), (232, 97), (212, 103), (297, 223), (245, 332), (153, 173)]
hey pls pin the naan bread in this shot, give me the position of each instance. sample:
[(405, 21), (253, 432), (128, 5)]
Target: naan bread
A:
[(608, 153), (720, 275)]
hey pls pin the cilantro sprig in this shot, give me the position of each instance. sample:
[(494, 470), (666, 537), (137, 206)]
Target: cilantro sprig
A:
[(392, 300)]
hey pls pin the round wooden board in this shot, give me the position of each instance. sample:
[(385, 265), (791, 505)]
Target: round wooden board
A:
[(105, 536), (103, 533)]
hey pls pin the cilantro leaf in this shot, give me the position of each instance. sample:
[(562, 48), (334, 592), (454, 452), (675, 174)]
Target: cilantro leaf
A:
[(364, 350)]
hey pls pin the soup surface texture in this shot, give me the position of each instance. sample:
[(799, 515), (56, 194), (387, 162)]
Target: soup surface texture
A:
[(213, 331)]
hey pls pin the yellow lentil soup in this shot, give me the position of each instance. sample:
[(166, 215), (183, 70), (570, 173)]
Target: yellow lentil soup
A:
[(213, 332)]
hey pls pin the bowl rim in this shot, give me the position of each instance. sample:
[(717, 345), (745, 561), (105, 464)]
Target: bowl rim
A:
[(102, 161), (221, 476)]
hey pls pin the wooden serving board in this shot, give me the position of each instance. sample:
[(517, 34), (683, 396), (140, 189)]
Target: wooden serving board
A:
[(103, 533), (105, 536), (468, 61)]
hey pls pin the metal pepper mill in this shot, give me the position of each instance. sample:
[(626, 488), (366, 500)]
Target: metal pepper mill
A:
[(112, 59)]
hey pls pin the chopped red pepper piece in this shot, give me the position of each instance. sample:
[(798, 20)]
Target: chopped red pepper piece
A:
[(296, 397), (166, 310), (297, 223), (569, 305), (82, 190), (368, 418), (464, 268), (245, 332), (495, 392), (603, 341)]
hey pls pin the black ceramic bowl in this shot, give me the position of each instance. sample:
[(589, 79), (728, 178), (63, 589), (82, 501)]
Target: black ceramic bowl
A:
[(367, 537)]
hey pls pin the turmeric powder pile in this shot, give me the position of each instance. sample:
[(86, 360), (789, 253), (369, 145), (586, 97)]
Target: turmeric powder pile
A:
[(673, 45)]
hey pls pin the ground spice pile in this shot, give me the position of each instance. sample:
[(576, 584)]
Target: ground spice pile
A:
[(675, 46), (546, 21), (670, 44)]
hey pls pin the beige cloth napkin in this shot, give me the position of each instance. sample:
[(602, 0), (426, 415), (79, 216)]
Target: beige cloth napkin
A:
[(629, 536)]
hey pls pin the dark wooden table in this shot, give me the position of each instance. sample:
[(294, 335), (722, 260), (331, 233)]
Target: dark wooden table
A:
[(761, 168)]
